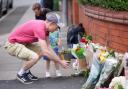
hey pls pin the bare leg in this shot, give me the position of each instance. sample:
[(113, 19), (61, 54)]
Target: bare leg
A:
[(47, 65), (56, 65), (28, 64), (57, 69), (47, 68)]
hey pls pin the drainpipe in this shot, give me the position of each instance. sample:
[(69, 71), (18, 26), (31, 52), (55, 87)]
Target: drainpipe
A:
[(65, 11)]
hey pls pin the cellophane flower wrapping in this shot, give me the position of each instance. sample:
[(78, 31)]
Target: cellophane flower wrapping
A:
[(100, 69), (108, 68), (118, 83)]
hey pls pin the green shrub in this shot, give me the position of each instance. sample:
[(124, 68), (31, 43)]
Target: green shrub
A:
[(120, 5)]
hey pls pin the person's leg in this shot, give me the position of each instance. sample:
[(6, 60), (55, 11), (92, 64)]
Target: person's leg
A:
[(47, 65), (28, 64), (32, 54), (56, 66), (58, 73), (29, 74), (56, 50), (37, 49), (25, 69), (48, 68), (25, 54), (29, 56)]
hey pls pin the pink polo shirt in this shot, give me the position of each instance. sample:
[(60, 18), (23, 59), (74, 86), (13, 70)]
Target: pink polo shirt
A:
[(29, 32)]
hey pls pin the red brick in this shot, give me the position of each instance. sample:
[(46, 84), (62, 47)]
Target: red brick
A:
[(101, 34), (75, 11), (100, 40), (119, 40), (118, 47), (122, 27), (119, 33)]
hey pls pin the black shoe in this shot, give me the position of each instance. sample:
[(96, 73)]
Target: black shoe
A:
[(24, 79), (31, 76)]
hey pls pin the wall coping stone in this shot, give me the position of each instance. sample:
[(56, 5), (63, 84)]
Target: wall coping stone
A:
[(106, 14)]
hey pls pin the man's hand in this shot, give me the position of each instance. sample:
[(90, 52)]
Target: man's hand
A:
[(64, 64)]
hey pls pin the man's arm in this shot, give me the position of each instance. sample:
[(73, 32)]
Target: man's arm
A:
[(48, 41), (48, 51)]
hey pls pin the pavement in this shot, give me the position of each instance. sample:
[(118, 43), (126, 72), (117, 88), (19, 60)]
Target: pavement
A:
[(12, 19), (10, 65), (53, 83)]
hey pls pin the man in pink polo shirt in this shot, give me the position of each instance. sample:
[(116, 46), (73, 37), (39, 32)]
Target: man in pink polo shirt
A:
[(30, 41)]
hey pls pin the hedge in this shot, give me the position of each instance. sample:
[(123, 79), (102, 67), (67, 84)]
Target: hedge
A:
[(119, 5)]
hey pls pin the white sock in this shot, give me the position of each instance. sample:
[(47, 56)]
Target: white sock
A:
[(21, 72), (58, 73), (47, 74)]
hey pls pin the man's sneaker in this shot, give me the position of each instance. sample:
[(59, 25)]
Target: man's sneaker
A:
[(58, 74), (47, 75), (24, 79), (31, 76)]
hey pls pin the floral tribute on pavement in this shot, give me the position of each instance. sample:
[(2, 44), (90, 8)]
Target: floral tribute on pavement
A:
[(97, 63)]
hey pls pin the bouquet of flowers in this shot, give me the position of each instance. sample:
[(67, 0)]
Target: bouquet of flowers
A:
[(109, 66), (103, 56), (118, 83), (105, 53), (79, 49), (86, 39), (104, 61), (95, 46), (79, 52)]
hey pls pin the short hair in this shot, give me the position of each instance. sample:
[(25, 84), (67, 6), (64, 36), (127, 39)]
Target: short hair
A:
[(36, 6)]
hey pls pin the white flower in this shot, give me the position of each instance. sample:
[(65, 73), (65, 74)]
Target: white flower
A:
[(118, 80), (75, 65)]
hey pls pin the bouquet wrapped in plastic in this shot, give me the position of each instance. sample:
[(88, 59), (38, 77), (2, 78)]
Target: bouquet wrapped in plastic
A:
[(79, 53), (80, 50), (103, 64), (118, 83)]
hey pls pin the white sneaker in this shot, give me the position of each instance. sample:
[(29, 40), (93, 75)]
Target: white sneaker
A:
[(47, 75), (58, 74)]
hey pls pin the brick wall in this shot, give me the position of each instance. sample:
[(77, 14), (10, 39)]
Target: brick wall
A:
[(75, 14), (114, 35)]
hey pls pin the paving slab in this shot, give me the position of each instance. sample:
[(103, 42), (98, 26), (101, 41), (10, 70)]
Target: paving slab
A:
[(51, 83)]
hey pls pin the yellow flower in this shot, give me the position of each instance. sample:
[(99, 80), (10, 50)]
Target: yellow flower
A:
[(102, 58)]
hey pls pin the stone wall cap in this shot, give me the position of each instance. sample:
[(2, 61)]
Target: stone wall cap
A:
[(106, 14)]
